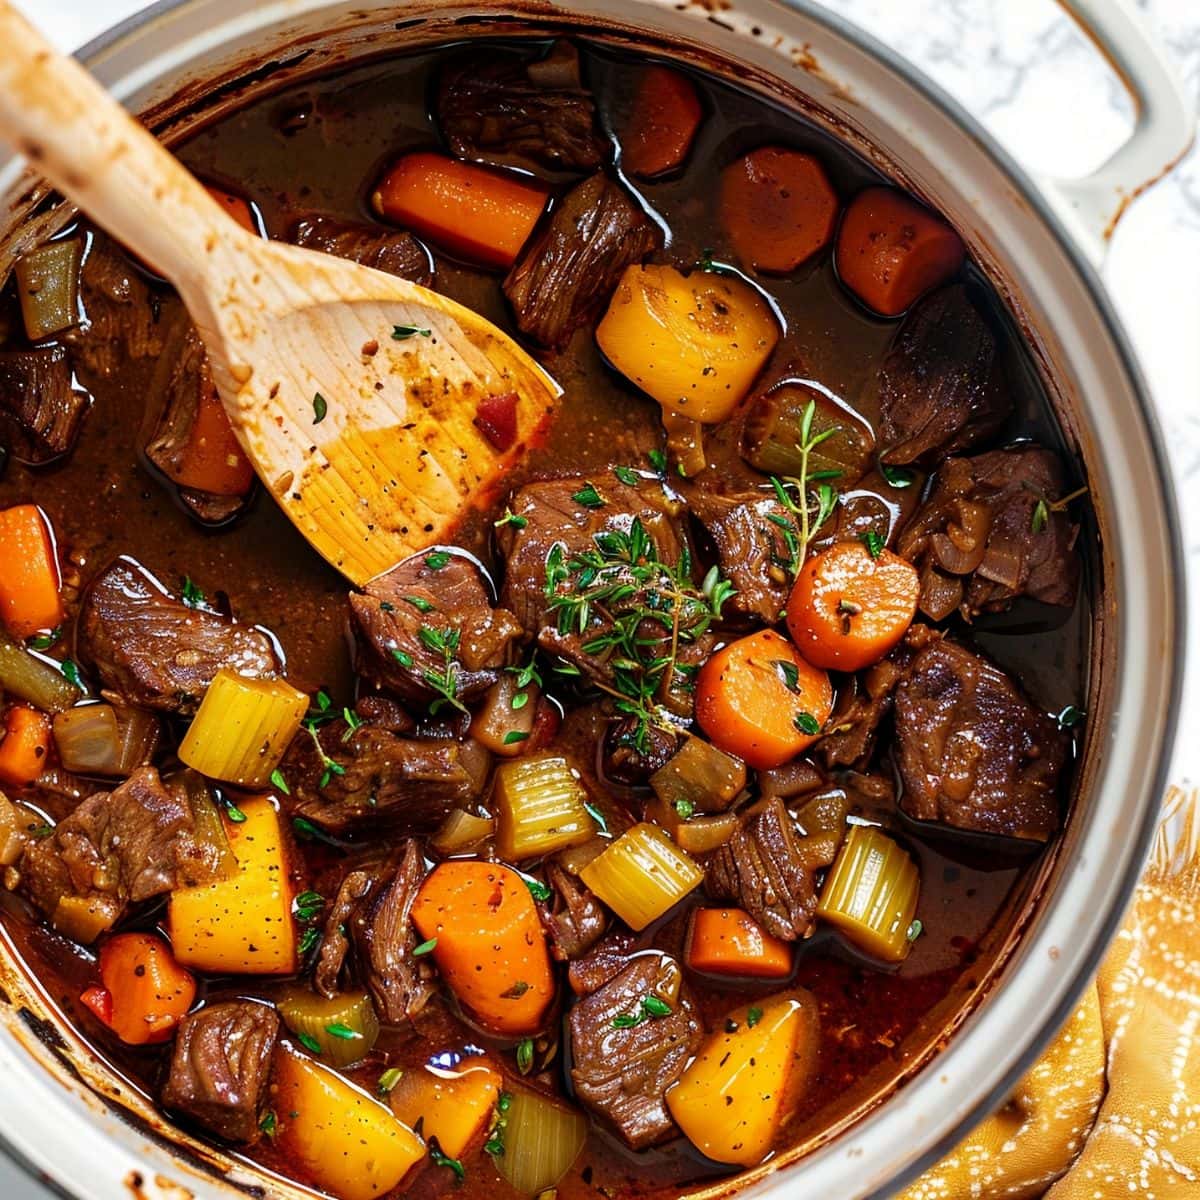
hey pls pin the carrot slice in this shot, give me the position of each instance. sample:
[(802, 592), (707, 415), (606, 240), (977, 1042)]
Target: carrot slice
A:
[(481, 214), (488, 943), (245, 214), (778, 207), (849, 607), (891, 250), (25, 747), (29, 600), (729, 941), (662, 123), (148, 992), (759, 699)]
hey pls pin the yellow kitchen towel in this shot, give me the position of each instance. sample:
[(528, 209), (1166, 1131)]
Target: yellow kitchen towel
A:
[(1112, 1108)]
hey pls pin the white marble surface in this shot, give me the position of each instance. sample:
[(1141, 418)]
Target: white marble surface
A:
[(1042, 89)]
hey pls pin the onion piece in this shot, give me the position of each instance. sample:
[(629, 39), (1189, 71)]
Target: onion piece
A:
[(504, 722), (542, 1140), (462, 831), (104, 739)]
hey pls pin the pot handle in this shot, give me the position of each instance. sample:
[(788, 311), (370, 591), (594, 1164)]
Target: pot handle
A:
[(1166, 125)]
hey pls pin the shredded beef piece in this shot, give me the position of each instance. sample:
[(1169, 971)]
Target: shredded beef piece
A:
[(574, 919), (399, 611), (622, 1070), (939, 386), (388, 250), (220, 1068), (501, 107), (156, 651), (40, 411), (972, 751), (120, 848), (988, 533), (567, 272)]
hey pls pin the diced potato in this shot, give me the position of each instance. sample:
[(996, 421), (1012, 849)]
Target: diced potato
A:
[(695, 343), (642, 875), (452, 1107), (243, 925), (353, 1147), (871, 893), (540, 808), (748, 1077)]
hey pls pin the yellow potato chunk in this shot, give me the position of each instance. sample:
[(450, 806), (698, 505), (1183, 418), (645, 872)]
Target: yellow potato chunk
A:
[(453, 1106)]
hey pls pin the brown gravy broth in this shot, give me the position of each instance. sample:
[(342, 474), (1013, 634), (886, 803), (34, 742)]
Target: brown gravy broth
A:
[(318, 148)]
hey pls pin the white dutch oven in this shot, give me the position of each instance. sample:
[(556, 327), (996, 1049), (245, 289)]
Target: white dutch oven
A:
[(94, 1138)]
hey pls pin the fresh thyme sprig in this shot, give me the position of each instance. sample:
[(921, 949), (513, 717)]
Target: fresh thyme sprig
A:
[(321, 712), (443, 681)]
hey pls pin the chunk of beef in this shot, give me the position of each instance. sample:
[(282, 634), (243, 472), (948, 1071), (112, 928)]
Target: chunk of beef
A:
[(632, 751), (600, 964), (754, 536), (403, 618), (574, 919), (769, 868), (567, 272), (972, 751), (988, 533), (183, 409), (370, 245), (355, 887), (220, 1068), (381, 779), (552, 516), (119, 848), (624, 1057), (40, 411), (939, 385), (158, 652), (507, 108)]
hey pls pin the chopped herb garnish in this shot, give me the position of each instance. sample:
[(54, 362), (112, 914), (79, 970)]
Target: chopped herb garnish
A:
[(1041, 516), (537, 889), (754, 1014), (71, 671), (420, 604), (658, 460), (386, 606), (651, 1008), (307, 906), (389, 1079), (353, 723), (596, 815), (526, 674), (627, 475), (441, 1160), (789, 673), (43, 641), (401, 333), (191, 595), (309, 940), (403, 658), (443, 681), (806, 723), (655, 1006), (1070, 716), (515, 992), (437, 560), (627, 1020), (232, 811), (525, 1055), (278, 781), (320, 408), (268, 1124), (495, 1142), (685, 808), (424, 947), (343, 1032), (914, 931), (588, 497), (519, 700), (307, 831), (513, 736), (309, 1042), (873, 542), (897, 477), (511, 518)]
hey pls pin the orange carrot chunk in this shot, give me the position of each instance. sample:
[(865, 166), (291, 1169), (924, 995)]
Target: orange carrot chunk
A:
[(891, 250), (211, 460), (473, 211), (29, 600), (850, 606), (760, 700), (729, 941), (662, 123), (145, 992), (480, 924), (25, 746), (778, 207)]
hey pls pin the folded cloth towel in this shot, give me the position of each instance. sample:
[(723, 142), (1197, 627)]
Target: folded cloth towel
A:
[(1112, 1108)]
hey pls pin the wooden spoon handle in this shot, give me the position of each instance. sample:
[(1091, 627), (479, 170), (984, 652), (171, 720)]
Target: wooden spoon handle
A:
[(94, 152)]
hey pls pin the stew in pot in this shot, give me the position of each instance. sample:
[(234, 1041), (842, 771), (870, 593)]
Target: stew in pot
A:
[(663, 818)]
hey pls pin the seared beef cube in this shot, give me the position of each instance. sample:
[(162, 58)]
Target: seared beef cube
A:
[(380, 779), (602, 963), (973, 752), (388, 250), (574, 919), (755, 537), (567, 272), (939, 386), (553, 517), (988, 534), (120, 848), (503, 107), (404, 615), (158, 652), (769, 868), (220, 1068), (40, 412), (633, 750), (630, 1041)]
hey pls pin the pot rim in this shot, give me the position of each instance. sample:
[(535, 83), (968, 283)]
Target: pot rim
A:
[(1165, 502)]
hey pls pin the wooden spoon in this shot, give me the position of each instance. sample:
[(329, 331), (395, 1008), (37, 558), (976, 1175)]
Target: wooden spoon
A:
[(362, 430)]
